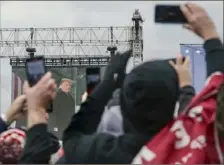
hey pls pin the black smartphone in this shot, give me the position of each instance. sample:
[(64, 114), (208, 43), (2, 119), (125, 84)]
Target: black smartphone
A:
[(170, 14), (92, 78), (35, 69)]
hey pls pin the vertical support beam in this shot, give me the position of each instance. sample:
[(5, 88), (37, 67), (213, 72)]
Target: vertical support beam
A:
[(112, 48), (137, 44)]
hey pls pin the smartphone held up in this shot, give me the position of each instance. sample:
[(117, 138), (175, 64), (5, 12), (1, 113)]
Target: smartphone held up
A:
[(35, 69), (92, 79), (169, 14)]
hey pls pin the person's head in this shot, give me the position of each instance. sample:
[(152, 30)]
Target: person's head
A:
[(12, 143), (66, 85), (148, 97)]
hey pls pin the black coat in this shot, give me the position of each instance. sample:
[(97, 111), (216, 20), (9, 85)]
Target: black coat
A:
[(63, 109), (80, 142)]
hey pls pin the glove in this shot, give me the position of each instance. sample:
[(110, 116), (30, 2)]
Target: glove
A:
[(116, 69), (113, 77)]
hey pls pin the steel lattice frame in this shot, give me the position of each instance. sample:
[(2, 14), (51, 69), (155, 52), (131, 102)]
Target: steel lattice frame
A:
[(68, 62), (66, 41), (137, 33), (80, 45)]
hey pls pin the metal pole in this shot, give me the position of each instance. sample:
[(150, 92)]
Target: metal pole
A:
[(193, 62), (31, 50), (75, 86)]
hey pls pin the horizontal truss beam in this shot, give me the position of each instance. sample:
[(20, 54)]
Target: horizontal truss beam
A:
[(65, 62), (64, 40)]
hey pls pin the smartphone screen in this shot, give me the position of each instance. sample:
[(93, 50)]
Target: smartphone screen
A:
[(35, 69), (92, 78), (169, 14)]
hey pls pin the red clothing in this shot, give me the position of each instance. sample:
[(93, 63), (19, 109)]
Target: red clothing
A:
[(12, 142), (192, 137)]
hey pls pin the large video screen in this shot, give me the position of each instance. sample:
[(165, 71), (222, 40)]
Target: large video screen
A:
[(75, 74)]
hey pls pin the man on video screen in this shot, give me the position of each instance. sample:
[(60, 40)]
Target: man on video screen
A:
[(63, 108)]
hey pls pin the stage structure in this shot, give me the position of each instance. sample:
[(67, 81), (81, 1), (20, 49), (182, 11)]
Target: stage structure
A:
[(137, 40), (73, 46)]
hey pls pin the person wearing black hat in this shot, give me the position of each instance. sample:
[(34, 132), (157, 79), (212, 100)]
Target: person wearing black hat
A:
[(148, 98)]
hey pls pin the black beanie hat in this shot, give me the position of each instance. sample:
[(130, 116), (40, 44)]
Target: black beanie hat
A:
[(149, 95)]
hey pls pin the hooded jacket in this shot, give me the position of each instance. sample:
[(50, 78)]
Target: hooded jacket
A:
[(82, 145), (112, 119)]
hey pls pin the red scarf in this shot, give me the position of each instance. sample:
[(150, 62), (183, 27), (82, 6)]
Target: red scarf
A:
[(192, 137)]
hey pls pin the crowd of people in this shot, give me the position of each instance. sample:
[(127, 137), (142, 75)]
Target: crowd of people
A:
[(152, 114)]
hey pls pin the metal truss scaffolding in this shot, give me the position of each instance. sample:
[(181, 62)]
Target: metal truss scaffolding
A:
[(65, 62), (137, 44), (77, 43)]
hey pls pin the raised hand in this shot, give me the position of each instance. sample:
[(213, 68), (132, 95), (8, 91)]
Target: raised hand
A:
[(182, 68), (38, 98), (199, 21), (116, 69), (17, 109)]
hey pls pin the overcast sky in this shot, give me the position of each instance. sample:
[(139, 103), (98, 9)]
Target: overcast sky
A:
[(159, 40)]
